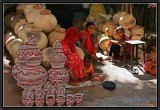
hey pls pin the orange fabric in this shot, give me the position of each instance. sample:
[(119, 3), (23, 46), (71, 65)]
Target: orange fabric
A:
[(89, 70), (88, 44)]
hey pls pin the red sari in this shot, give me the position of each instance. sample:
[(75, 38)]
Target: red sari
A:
[(88, 44), (73, 62)]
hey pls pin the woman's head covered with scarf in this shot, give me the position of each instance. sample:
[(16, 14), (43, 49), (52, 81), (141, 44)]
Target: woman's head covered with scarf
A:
[(70, 38)]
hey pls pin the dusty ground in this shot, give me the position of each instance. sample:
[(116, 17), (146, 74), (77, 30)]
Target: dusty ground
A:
[(131, 90)]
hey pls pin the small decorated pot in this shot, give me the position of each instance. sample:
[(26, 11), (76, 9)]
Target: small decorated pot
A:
[(39, 102), (78, 98), (29, 102), (60, 100), (70, 99), (50, 100), (60, 90)]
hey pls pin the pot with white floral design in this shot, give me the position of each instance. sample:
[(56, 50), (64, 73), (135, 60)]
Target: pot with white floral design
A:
[(70, 100), (78, 98), (60, 100), (50, 100)]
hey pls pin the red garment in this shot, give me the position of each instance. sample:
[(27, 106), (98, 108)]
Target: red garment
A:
[(74, 62), (69, 49), (88, 44)]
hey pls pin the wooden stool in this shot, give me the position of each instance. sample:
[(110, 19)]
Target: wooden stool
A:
[(134, 43)]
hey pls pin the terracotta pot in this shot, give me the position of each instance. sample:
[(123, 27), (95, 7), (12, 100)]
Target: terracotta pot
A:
[(137, 32), (7, 19), (90, 19), (80, 52), (153, 69), (39, 102), (57, 34), (108, 28), (19, 24), (100, 27), (7, 35), (27, 97), (48, 23), (103, 43), (46, 53), (30, 15), (15, 19), (117, 16), (14, 47), (127, 21), (28, 8)]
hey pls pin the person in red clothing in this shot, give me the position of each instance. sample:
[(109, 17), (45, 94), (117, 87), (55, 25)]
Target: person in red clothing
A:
[(116, 46), (88, 42), (74, 62)]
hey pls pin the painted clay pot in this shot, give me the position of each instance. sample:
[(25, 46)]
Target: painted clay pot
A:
[(90, 19), (7, 19), (153, 69), (108, 28), (127, 21), (117, 16), (80, 52), (78, 98), (50, 100), (48, 23), (47, 88), (46, 53), (27, 97), (19, 24), (60, 100), (42, 38), (14, 47), (39, 102), (33, 13), (57, 34), (15, 19), (103, 43), (60, 90), (137, 32), (70, 100)]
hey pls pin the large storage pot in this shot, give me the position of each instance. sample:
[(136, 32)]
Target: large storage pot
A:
[(57, 34), (42, 40), (108, 28), (28, 8), (90, 18), (127, 21), (7, 19), (19, 24), (15, 19), (7, 35), (80, 52), (21, 6), (14, 47), (30, 15), (46, 53), (45, 20), (9, 40), (137, 32), (117, 16)]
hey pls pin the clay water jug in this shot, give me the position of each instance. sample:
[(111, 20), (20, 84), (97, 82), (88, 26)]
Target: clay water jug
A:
[(80, 52), (117, 16), (19, 24), (127, 21), (57, 34), (7, 19), (137, 32), (103, 43), (33, 13), (48, 23)]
